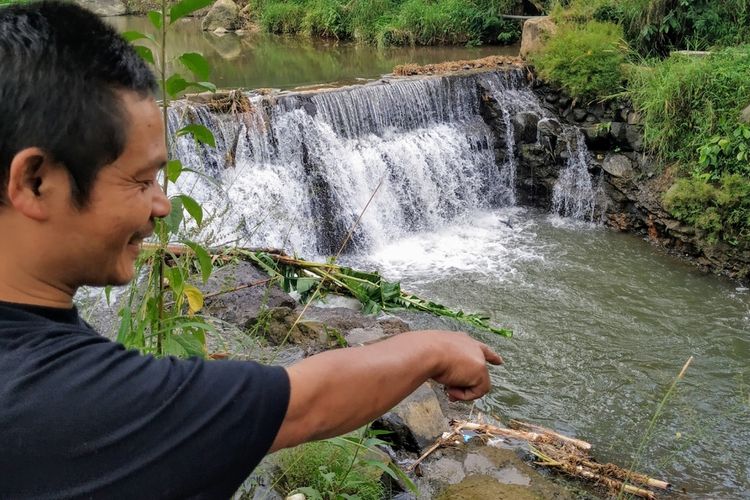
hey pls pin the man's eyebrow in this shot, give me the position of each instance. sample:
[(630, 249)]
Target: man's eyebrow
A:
[(159, 165)]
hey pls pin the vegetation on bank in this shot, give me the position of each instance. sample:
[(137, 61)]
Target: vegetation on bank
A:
[(690, 106), (391, 22)]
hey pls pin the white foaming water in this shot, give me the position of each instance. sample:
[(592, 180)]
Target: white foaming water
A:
[(484, 244), (573, 194), (297, 173)]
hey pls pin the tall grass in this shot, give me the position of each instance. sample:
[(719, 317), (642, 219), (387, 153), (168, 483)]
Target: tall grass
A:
[(392, 22)]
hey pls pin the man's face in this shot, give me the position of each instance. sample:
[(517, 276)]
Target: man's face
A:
[(103, 239)]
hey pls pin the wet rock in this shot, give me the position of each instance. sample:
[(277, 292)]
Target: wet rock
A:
[(617, 165), (549, 127), (223, 14), (524, 127), (533, 155), (420, 413)]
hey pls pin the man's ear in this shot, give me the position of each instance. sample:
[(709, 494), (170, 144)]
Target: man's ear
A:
[(32, 178)]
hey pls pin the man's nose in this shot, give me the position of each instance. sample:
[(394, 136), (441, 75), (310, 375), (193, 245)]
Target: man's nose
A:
[(161, 205)]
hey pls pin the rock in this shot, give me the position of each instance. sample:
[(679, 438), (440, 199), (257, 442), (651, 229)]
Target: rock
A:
[(617, 165), (420, 413), (223, 14), (745, 115), (535, 33), (617, 130), (579, 114), (634, 118), (524, 127), (549, 127), (243, 307), (104, 8), (533, 155), (634, 137)]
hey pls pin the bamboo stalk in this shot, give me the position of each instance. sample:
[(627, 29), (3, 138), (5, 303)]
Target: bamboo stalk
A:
[(524, 426)]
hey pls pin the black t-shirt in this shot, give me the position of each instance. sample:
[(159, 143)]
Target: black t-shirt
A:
[(81, 416)]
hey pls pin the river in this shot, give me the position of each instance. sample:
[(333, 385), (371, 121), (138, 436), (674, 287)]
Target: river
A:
[(261, 60), (603, 321)]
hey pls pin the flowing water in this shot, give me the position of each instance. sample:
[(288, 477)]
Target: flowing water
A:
[(603, 321)]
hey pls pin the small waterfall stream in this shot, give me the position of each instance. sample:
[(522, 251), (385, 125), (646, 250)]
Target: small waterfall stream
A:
[(297, 170)]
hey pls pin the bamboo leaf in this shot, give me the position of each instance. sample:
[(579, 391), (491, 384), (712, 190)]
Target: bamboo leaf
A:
[(186, 7), (193, 208), (197, 64), (200, 133)]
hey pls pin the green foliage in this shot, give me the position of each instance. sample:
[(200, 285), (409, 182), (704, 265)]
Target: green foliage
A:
[(685, 102), (375, 293), (345, 467), (655, 27), (160, 315), (586, 60), (721, 209), (282, 18), (392, 22)]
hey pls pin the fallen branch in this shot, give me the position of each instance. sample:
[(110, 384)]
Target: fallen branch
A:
[(516, 424)]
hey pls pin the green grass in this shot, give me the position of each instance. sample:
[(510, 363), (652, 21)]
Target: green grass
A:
[(586, 59), (330, 470), (392, 22)]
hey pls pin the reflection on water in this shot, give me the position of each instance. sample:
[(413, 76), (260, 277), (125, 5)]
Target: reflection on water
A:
[(259, 60), (603, 323)]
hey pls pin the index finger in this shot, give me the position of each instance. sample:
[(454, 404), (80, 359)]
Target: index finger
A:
[(491, 356)]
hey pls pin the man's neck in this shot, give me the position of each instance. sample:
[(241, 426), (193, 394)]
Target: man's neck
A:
[(19, 287)]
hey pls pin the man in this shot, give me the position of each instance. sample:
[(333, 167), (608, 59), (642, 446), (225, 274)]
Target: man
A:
[(81, 143)]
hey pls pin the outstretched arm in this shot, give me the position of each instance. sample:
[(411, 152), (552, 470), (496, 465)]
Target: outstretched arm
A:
[(338, 391)]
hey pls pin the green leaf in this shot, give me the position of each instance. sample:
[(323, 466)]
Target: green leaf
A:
[(145, 53), (132, 36), (204, 259), (176, 279), (200, 133), (174, 169), (193, 208), (176, 84), (156, 18), (197, 64), (174, 219), (186, 7), (107, 293), (207, 86)]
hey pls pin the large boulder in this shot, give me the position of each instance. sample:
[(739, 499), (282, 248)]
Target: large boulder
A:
[(745, 116), (617, 165), (417, 421), (223, 16), (535, 33), (104, 8), (524, 127)]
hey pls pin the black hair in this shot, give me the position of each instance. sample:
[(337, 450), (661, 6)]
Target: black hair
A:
[(61, 68)]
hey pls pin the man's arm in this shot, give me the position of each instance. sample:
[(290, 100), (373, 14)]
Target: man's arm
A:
[(338, 391)]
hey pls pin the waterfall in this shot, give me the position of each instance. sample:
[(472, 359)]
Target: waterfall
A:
[(574, 194), (297, 170)]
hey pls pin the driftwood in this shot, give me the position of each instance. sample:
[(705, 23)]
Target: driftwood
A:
[(558, 451)]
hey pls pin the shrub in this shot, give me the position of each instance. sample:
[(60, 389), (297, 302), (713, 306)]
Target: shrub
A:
[(722, 210), (586, 60)]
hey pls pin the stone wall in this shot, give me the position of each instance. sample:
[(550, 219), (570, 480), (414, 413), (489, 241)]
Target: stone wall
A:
[(632, 184)]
